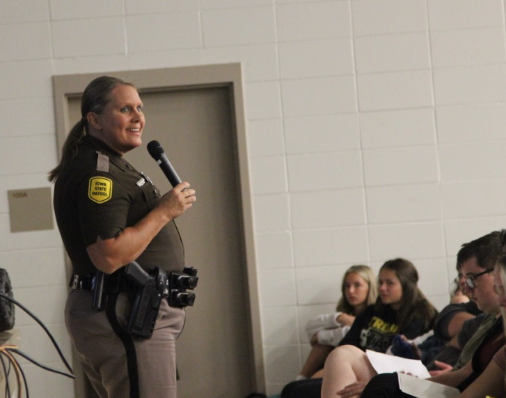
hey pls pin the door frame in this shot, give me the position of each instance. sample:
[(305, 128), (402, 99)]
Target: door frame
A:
[(67, 87)]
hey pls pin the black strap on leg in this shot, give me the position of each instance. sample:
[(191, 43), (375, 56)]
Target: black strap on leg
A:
[(128, 343)]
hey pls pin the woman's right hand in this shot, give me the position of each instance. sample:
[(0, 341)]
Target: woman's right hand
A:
[(179, 199)]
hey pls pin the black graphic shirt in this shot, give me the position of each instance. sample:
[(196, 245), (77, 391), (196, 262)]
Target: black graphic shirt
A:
[(373, 330)]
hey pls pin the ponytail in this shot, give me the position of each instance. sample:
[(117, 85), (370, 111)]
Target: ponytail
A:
[(70, 148)]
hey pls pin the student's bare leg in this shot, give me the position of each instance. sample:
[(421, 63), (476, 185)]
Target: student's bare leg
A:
[(344, 366)]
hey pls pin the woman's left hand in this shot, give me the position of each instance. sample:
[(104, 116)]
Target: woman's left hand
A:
[(352, 390)]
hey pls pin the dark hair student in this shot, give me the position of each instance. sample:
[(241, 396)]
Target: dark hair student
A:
[(415, 306)]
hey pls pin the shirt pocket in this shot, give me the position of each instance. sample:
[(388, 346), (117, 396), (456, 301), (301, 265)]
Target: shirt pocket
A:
[(151, 195)]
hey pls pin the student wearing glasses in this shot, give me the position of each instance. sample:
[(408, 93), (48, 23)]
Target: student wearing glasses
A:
[(478, 259)]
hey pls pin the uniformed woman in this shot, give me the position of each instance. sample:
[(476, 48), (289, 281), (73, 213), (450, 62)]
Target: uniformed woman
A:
[(109, 215)]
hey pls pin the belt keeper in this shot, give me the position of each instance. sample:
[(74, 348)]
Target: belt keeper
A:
[(75, 282)]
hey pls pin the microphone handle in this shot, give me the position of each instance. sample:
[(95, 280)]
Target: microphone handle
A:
[(168, 170)]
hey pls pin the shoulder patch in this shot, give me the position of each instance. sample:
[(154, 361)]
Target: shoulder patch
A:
[(100, 189)]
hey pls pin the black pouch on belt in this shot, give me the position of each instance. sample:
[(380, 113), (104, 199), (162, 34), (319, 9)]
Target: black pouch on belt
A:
[(179, 283)]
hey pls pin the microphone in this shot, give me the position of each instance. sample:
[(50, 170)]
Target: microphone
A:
[(156, 151)]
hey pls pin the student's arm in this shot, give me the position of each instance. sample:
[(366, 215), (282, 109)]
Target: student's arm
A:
[(449, 321), (456, 323), (490, 382), (345, 319), (354, 334), (453, 379)]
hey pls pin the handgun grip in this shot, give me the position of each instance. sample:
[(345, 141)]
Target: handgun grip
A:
[(136, 274)]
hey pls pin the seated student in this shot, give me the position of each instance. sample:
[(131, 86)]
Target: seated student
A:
[(458, 296), (492, 381), (401, 309), (450, 320), (431, 349), (453, 327), (323, 330), (477, 271), (485, 252), (358, 290), (443, 357)]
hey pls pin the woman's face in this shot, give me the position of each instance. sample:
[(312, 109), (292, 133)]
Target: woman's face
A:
[(120, 124), (355, 290), (390, 288)]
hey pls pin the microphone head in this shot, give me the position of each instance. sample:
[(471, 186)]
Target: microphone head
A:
[(155, 149)]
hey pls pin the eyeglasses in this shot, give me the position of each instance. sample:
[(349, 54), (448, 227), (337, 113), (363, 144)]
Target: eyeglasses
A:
[(470, 280)]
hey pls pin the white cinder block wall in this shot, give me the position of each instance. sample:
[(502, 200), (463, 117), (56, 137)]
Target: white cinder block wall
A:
[(376, 129)]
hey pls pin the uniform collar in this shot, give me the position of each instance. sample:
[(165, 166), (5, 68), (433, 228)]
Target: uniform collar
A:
[(102, 147)]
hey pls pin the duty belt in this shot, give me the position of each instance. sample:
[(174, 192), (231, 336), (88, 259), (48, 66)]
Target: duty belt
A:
[(100, 284)]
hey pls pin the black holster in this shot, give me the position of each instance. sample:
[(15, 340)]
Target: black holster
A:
[(145, 292)]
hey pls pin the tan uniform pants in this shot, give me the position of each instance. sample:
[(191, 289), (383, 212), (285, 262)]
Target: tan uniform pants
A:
[(103, 355)]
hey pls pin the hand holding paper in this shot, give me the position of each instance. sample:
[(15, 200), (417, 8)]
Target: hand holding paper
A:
[(425, 388), (411, 373), (383, 363)]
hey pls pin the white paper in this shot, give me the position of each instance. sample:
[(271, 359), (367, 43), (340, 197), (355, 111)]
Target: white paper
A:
[(425, 388), (383, 363)]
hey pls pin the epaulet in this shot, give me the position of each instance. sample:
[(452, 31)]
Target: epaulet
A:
[(102, 162)]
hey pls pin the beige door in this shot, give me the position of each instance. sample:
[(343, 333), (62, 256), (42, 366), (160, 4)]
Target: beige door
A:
[(215, 353), (194, 127)]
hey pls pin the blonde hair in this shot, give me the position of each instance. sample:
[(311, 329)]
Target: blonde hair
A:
[(367, 274), (501, 267)]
